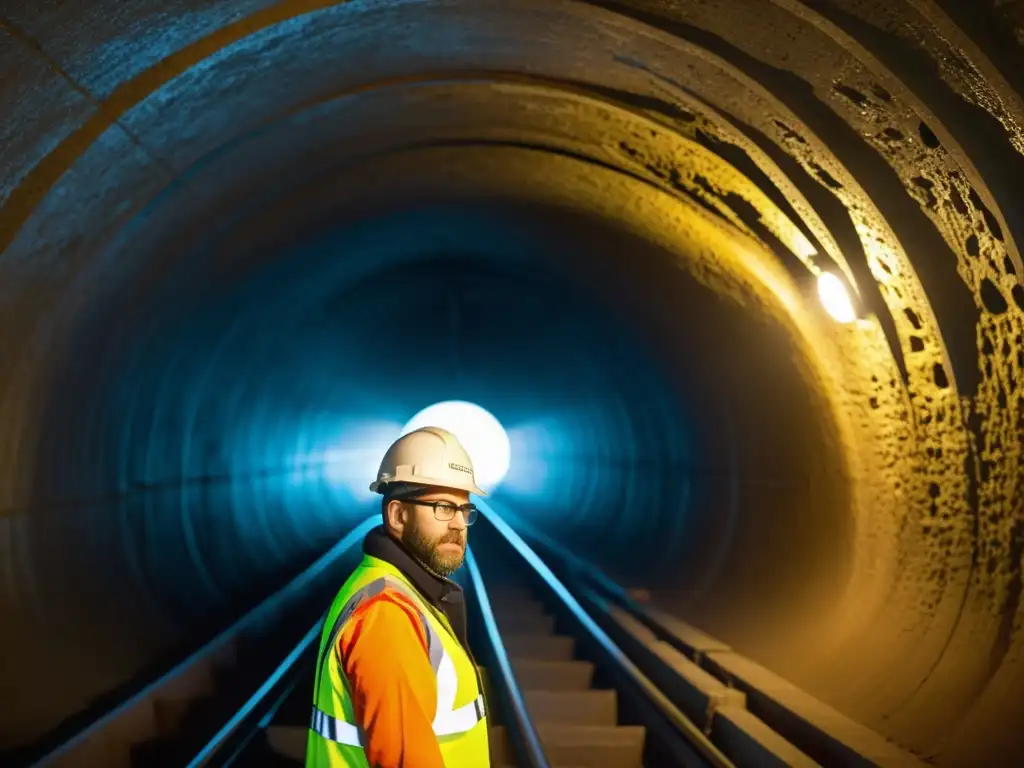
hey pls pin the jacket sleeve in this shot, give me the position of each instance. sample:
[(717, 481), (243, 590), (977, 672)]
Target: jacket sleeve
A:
[(383, 650)]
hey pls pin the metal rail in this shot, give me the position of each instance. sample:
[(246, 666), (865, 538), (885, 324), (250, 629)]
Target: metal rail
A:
[(259, 615), (689, 731), (526, 742), (587, 570), (815, 739), (231, 739), (213, 752), (257, 710)]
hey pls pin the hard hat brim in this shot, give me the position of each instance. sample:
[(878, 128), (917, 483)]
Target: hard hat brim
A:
[(377, 486)]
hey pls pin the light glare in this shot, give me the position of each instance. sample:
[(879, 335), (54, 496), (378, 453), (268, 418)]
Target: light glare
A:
[(835, 298), (480, 433), (353, 458)]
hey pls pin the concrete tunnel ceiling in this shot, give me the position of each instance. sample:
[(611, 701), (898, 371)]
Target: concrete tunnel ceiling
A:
[(244, 241)]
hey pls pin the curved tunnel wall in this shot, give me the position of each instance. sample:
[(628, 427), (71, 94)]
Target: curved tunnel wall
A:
[(188, 280)]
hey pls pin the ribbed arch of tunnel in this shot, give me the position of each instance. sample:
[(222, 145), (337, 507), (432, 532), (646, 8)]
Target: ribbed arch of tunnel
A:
[(592, 117), (595, 438), (407, 307)]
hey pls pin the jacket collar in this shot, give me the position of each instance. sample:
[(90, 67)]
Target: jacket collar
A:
[(438, 590)]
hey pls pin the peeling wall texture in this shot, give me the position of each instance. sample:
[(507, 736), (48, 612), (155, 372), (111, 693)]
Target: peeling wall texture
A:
[(243, 241)]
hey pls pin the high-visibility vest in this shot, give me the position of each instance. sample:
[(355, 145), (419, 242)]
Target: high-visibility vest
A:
[(336, 739)]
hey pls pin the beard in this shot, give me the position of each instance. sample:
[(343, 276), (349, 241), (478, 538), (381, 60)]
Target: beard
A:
[(426, 549)]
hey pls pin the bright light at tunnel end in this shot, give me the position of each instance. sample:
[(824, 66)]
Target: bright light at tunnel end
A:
[(480, 433), (835, 297)]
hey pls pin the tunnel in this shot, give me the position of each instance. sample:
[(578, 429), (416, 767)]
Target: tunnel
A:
[(245, 241)]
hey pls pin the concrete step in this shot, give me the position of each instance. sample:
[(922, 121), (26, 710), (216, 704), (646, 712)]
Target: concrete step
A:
[(746, 740), (523, 622), (288, 741), (501, 750), (553, 675), (499, 595), (259, 754), (572, 707), (818, 730), (578, 746), (524, 605), (593, 746), (694, 690), (566, 746), (539, 647), (180, 693)]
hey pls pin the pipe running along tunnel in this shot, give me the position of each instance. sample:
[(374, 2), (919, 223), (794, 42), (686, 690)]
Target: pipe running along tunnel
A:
[(244, 241)]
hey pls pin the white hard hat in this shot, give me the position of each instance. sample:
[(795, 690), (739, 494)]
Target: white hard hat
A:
[(427, 456)]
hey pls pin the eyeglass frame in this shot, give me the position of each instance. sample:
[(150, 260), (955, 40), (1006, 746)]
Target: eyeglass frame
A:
[(466, 509)]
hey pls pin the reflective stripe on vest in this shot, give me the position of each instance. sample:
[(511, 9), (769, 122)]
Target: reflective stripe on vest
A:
[(457, 721), (448, 720)]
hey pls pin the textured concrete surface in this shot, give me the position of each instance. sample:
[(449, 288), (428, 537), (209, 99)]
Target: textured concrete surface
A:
[(41, 109), (135, 37), (155, 156)]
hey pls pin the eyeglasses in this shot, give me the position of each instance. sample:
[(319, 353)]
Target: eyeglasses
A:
[(445, 510)]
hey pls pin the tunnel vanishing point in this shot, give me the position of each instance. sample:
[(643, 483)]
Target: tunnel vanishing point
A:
[(242, 239)]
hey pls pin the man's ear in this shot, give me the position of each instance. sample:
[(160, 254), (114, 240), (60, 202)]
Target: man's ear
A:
[(396, 516)]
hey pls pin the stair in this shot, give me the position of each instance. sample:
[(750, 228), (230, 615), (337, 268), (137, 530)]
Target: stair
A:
[(190, 710), (577, 724), (283, 744)]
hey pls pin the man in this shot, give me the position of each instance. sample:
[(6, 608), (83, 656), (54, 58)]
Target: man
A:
[(396, 686)]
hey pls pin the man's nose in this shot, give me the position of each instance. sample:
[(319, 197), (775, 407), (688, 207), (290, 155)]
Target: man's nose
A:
[(458, 522)]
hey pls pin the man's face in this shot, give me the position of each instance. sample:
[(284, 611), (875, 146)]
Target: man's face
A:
[(440, 544)]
